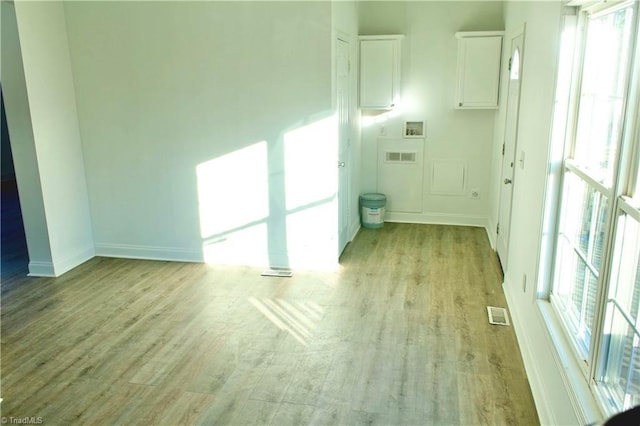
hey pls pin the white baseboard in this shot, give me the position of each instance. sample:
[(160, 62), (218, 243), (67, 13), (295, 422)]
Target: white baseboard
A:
[(41, 269), (569, 395), (441, 219), (545, 414), (148, 252), (71, 262), (57, 268), (354, 231), (491, 233), (172, 254), (436, 219)]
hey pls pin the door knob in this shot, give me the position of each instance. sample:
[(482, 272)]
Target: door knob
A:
[(507, 181), (341, 164)]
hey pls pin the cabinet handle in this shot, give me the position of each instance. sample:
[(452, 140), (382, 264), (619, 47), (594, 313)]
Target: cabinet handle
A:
[(460, 104)]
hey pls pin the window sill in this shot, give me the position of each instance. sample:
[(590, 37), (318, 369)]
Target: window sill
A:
[(585, 404)]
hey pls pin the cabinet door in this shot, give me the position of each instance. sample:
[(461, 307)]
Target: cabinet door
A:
[(478, 72), (377, 73)]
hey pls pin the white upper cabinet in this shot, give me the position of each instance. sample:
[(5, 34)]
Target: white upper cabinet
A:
[(479, 54), (379, 71)]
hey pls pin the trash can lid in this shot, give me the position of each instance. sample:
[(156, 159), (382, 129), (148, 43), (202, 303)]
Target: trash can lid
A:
[(373, 196)]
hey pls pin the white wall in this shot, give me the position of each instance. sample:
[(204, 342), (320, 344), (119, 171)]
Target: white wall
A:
[(547, 372), (23, 146), (49, 82), (43, 124), (428, 93), (206, 128)]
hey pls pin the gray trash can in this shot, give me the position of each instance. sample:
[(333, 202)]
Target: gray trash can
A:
[(372, 207)]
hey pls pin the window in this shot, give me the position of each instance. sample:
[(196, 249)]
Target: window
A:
[(620, 372), (579, 257), (606, 63), (636, 186), (515, 66), (634, 191), (595, 282)]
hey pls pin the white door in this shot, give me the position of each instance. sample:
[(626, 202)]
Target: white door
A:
[(342, 100), (509, 149)]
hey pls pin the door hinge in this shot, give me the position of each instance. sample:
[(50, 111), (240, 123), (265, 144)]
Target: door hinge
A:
[(497, 229), (510, 60), (503, 148)]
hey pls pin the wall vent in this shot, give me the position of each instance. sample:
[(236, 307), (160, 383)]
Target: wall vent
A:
[(497, 316), (399, 157)]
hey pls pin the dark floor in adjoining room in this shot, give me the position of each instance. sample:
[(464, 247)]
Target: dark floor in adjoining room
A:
[(13, 245)]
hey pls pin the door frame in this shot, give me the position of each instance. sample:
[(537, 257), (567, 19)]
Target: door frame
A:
[(503, 253), (344, 146)]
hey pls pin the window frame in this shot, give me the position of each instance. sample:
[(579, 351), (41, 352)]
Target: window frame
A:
[(622, 194), (604, 392), (630, 179)]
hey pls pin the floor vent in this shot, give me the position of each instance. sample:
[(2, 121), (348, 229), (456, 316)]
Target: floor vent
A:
[(497, 316), (277, 273)]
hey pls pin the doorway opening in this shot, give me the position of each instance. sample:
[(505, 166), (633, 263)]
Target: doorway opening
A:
[(13, 244)]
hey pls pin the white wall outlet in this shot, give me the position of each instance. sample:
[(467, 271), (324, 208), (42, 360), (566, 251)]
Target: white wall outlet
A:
[(475, 194)]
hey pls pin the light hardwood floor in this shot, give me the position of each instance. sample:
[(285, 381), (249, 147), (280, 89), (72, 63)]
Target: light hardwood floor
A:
[(398, 335)]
